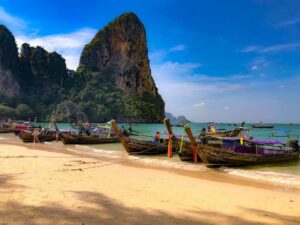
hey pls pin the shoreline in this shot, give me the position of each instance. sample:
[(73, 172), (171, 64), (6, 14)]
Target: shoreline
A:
[(206, 173), (42, 185)]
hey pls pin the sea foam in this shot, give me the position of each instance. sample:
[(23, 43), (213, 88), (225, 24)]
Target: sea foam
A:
[(289, 180)]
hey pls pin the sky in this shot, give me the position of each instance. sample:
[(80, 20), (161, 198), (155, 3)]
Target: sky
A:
[(224, 61)]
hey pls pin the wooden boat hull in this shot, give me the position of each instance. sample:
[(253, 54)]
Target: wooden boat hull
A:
[(216, 155), (82, 139), (263, 126), (146, 147), (4, 130), (186, 154), (28, 137), (229, 133)]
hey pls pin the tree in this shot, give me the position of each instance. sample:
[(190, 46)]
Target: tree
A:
[(24, 112), (7, 112)]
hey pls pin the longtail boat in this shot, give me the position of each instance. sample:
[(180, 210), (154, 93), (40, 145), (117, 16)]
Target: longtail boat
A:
[(229, 133), (69, 138), (134, 146), (234, 151), (86, 138), (263, 125), (184, 150), (6, 130), (27, 136), (188, 152)]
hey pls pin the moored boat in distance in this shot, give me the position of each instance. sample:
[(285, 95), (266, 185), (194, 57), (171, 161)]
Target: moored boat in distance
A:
[(140, 147), (11, 127), (69, 138), (234, 151), (46, 135), (263, 125)]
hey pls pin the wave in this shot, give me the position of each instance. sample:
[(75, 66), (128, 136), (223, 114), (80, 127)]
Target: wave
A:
[(156, 162), (267, 176)]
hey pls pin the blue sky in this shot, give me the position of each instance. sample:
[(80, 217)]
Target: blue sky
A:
[(211, 60)]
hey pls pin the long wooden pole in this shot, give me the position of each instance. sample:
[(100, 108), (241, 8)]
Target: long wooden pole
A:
[(195, 144), (171, 134), (119, 134)]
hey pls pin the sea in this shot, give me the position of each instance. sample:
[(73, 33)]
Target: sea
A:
[(286, 174)]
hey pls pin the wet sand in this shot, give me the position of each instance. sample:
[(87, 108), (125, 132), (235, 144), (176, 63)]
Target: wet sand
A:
[(42, 185)]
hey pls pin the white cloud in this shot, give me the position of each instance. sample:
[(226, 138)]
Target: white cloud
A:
[(68, 45), (177, 83), (159, 55), (254, 67), (250, 49), (11, 21), (290, 22), (199, 104), (273, 48), (224, 78), (177, 48)]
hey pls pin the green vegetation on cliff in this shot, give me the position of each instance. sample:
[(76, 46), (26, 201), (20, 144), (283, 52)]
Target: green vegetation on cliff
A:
[(113, 80)]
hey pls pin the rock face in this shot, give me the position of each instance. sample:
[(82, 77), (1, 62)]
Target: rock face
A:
[(9, 62), (41, 68), (180, 120), (113, 79), (120, 51)]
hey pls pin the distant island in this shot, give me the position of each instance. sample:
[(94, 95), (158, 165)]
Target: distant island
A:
[(113, 79), (180, 120)]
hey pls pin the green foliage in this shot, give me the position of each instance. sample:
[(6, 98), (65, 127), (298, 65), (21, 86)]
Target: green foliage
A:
[(24, 112), (48, 89), (7, 112)]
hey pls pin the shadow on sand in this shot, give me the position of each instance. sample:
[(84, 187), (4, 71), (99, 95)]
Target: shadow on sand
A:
[(96, 208)]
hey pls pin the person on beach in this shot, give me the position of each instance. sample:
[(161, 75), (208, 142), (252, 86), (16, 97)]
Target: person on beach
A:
[(157, 137), (36, 135), (57, 136), (203, 132)]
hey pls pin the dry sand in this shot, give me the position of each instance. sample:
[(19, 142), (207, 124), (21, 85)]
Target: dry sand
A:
[(39, 187)]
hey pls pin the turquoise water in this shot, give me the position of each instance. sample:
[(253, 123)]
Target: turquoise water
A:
[(287, 173), (149, 129)]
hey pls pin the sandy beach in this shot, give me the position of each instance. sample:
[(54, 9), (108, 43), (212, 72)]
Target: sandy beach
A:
[(42, 187)]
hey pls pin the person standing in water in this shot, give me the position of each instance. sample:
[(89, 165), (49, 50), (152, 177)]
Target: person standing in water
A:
[(36, 135), (157, 137)]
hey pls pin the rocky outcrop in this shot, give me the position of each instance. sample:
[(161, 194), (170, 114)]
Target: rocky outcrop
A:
[(9, 63), (119, 52), (113, 80), (180, 120), (38, 65), (69, 111)]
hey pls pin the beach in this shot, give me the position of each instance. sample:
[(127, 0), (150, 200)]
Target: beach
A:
[(42, 186)]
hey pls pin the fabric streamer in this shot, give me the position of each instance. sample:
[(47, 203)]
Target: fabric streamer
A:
[(194, 153), (109, 131), (170, 153), (241, 139), (182, 140)]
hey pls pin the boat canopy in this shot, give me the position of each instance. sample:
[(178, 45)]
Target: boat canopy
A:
[(255, 141)]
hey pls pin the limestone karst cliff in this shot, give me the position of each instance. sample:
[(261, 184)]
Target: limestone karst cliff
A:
[(113, 79), (120, 51), (9, 63)]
